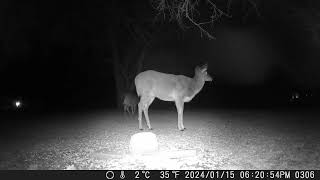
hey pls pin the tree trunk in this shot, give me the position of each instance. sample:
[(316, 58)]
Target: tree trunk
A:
[(113, 27), (127, 57), (116, 67)]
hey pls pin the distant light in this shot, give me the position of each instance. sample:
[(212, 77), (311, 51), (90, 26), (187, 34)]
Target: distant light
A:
[(17, 104), (295, 95)]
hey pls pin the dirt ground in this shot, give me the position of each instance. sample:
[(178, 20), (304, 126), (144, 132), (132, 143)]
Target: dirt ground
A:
[(223, 139)]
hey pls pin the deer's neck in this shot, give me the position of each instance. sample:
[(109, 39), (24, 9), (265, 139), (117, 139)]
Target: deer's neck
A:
[(197, 85)]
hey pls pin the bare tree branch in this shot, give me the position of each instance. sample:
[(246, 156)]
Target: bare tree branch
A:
[(178, 10), (254, 5)]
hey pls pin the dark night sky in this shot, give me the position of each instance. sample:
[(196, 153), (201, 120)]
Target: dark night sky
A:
[(54, 53)]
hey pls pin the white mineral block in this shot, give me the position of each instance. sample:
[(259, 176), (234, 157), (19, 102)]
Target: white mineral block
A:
[(143, 143)]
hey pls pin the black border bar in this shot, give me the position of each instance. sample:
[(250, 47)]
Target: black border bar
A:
[(159, 174)]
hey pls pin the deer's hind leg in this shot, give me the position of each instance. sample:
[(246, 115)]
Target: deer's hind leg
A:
[(140, 107), (144, 104), (134, 109)]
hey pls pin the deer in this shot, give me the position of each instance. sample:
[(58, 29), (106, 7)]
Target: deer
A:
[(130, 102), (152, 84)]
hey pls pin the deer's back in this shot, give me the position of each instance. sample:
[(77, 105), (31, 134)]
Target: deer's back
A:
[(162, 85)]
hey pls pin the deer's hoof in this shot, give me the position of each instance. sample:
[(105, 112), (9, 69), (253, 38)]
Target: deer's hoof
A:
[(150, 129), (141, 129)]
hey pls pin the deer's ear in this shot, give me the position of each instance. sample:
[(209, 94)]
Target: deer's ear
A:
[(204, 67)]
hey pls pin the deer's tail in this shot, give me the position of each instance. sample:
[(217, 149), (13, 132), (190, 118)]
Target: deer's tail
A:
[(138, 92), (137, 86)]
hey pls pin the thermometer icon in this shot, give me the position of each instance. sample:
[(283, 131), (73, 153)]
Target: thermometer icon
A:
[(122, 176)]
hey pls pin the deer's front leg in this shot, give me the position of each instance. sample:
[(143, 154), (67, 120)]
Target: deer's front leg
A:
[(179, 105)]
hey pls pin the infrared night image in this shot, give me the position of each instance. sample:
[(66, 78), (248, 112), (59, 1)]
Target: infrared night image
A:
[(160, 85)]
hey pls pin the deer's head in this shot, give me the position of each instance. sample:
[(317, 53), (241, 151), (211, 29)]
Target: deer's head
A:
[(201, 72)]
